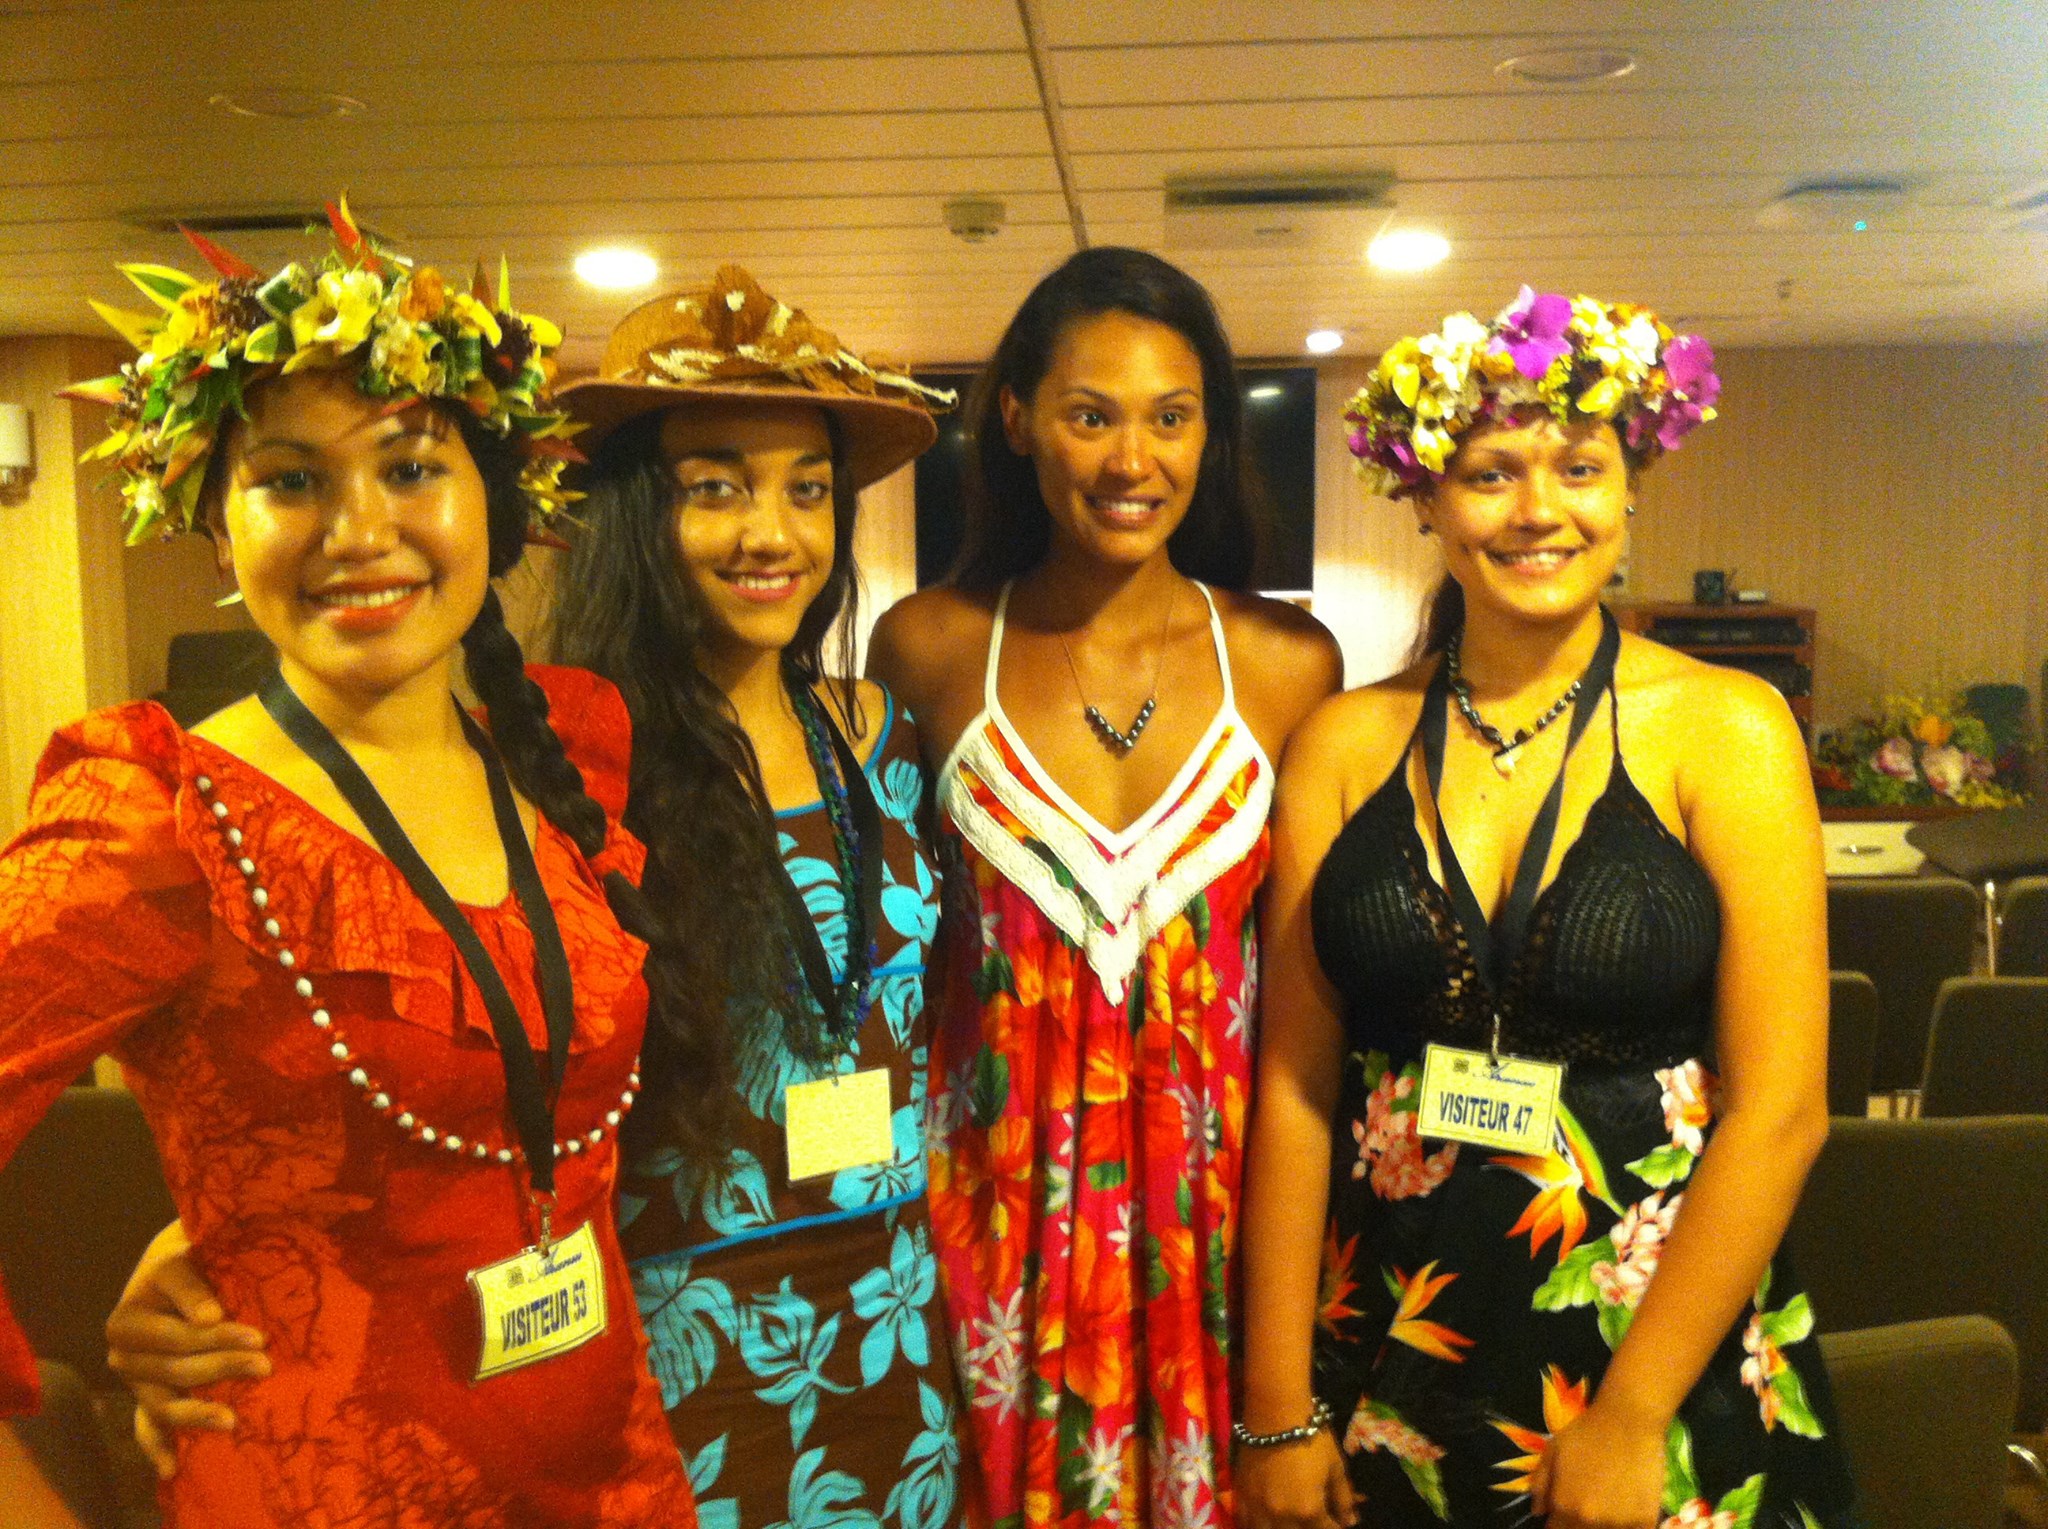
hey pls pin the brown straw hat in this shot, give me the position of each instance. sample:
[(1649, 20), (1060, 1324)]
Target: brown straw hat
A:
[(733, 341)]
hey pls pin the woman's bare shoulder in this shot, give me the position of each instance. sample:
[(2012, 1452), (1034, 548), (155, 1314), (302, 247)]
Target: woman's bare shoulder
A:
[(922, 638), (1356, 736)]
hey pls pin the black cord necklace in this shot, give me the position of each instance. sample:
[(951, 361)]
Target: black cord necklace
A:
[(1504, 748)]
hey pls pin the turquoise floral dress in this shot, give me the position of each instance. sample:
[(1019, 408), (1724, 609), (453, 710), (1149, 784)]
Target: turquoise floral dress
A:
[(795, 1328)]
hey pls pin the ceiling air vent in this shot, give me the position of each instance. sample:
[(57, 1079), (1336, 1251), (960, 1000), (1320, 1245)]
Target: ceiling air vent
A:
[(1207, 212), (226, 222), (1850, 203)]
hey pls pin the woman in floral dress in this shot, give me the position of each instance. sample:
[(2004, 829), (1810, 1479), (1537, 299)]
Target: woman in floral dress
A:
[(1091, 1064), (1547, 995)]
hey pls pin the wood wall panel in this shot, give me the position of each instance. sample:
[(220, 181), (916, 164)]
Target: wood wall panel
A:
[(1898, 491)]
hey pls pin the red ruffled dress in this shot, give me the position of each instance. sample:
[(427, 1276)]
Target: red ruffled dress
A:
[(128, 923)]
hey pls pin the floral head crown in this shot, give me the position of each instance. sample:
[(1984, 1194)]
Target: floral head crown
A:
[(408, 333), (1577, 358)]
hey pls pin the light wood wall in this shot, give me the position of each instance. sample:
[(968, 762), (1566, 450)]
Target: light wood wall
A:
[(63, 646), (1898, 491)]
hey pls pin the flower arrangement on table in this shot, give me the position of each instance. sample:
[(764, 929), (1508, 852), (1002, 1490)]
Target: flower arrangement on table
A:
[(1913, 753)]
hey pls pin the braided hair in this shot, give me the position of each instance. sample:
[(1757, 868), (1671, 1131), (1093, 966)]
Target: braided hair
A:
[(518, 707)]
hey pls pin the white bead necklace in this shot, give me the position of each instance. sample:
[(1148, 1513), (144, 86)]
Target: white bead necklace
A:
[(350, 1063)]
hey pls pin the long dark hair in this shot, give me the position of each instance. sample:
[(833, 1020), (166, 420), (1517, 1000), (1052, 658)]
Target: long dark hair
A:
[(624, 608), (1009, 529)]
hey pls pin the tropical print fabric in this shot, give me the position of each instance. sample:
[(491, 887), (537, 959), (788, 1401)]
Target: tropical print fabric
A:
[(795, 1329), (1091, 1074), (1471, 1299)]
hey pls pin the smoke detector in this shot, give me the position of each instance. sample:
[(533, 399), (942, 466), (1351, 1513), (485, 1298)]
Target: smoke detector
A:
[(1836, 205), (974, 219), (1207, 212)]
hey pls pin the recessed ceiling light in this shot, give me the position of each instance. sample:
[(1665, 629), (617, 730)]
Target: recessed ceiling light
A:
[(1567, 66), (615, 269), (1323, 342), (284, 103), (1408, 249)]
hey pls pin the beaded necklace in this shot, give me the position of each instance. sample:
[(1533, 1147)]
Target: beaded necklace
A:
[(349, 1063)]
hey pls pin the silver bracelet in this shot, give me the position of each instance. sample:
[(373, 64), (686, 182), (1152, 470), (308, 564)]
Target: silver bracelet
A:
[(1318, 1420)]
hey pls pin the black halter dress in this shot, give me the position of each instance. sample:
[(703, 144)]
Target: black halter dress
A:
[(1472, 1298)]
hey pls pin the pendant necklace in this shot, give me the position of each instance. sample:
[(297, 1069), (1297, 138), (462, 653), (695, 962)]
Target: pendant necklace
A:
[(1123, 740), (1506, 751)]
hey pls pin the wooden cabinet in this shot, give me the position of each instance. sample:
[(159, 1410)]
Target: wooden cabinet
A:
[(1774, 642)]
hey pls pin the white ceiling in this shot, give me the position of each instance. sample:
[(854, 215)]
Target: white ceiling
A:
[(815, 140)]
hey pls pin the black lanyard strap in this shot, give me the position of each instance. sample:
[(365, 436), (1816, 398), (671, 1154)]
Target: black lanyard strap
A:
[(532, 1101), (861, 930), (1495, 945)]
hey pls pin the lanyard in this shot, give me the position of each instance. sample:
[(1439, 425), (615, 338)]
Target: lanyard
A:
[(532, 1101), (1494, 948), (867, 871)]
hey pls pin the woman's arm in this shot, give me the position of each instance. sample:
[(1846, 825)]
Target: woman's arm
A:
[(168, 1335), (1747, 798), (1300, 1059), (32, 1503)]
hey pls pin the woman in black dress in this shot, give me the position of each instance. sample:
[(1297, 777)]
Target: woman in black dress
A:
[(1546, 986)]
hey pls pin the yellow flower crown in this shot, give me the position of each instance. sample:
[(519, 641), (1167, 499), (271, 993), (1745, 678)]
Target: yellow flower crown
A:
[(409, 332)]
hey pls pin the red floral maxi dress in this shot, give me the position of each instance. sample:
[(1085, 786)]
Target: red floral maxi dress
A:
[(1090, 1071)]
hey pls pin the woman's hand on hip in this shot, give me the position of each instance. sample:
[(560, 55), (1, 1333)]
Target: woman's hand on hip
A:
[(168, 1335)]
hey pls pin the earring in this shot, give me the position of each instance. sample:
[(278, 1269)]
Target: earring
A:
[(1631, 510)]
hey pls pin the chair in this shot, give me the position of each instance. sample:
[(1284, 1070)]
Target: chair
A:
[(209, 670), (2023, 928), (1852, 1042), (1904, 1220), (79, 1201), (66, 1443), (1987, 1053), (1906, 934), (1926, 1412)]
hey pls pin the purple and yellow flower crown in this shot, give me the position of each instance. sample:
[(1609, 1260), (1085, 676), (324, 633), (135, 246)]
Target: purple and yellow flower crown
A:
[(1576, 358), (409, 333)]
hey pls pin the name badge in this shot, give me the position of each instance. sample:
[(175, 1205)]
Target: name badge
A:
[(536, 1305), (1505, 1102), (838, 1122)]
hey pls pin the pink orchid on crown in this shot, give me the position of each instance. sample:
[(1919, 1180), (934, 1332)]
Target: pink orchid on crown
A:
[(1531, 331)]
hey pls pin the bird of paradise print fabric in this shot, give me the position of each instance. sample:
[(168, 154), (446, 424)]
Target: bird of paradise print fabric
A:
[(1471, 1301), (1087, 1158)]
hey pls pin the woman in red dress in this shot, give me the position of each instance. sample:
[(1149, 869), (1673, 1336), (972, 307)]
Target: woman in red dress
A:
[(364, 963)]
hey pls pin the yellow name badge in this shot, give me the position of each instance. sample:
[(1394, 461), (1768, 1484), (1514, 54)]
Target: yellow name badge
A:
[(1505, 1102), (536, 1305), (838, 1122)]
